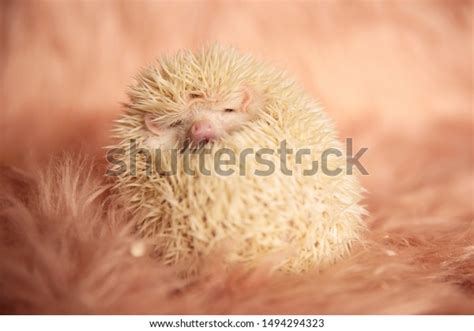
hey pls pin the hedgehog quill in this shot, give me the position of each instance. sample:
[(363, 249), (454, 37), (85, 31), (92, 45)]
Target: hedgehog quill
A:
[(218, 99)]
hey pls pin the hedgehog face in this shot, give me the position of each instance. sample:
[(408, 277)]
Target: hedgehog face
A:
[(196, 97), (202, 118)]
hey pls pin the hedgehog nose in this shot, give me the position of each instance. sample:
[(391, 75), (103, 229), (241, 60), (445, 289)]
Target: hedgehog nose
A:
[(202, 131)]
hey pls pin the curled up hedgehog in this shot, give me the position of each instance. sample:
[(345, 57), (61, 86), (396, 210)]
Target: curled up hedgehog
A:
[(216, 150)]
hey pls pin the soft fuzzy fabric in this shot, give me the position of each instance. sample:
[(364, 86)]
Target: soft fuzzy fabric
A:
[(396, 77)]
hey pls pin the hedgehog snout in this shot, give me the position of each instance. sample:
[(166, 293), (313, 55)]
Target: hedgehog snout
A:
[(202, 131)]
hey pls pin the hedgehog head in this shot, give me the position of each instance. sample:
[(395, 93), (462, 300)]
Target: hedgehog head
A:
[(196, 97)]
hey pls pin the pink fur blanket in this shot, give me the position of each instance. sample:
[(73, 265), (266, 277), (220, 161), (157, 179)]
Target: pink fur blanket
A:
[(397, 77)]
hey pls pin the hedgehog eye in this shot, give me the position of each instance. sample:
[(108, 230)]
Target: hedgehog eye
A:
[(194, 95), (229, 110), (176, 123)]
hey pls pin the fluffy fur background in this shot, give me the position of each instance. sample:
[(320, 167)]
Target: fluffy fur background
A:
[(396, 76)]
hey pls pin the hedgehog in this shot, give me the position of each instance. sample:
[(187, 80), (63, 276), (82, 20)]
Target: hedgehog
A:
[(188, 111)]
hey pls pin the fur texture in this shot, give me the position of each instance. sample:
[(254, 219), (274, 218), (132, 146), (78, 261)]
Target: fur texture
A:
[(399, 82)]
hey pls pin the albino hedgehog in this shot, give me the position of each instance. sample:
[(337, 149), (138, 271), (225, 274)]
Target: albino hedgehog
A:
[(199, 104)]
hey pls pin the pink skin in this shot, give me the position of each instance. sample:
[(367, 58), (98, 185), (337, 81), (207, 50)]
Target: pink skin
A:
[(202, 121), (202, 131)]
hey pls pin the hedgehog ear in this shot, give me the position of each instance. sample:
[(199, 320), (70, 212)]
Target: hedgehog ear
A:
[(151, 124), (251, 99), (247, 98)]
